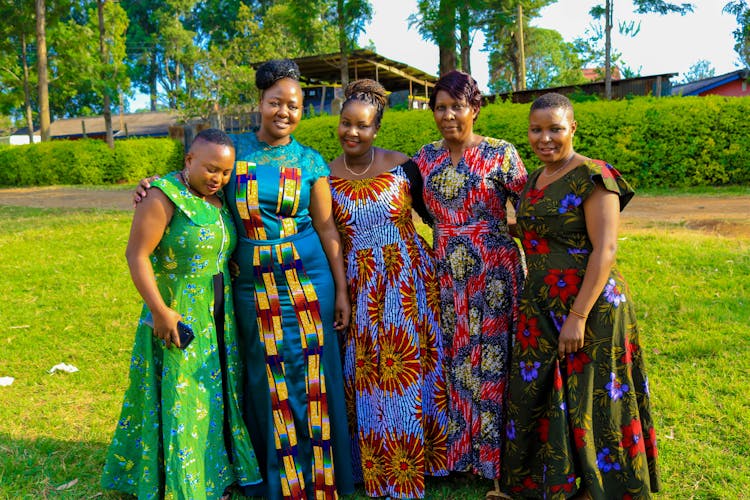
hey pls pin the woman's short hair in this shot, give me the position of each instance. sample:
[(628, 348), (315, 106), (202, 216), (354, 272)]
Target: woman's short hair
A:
[(274, 70), (367, 91), (214, 136), (552, 100), (459, 85)]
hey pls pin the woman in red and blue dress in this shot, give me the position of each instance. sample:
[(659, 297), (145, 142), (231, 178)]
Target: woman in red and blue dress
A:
[(579, 418), (468, 181)]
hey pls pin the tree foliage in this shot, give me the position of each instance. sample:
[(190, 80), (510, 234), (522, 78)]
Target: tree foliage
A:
[(698, 71), (741, 10)]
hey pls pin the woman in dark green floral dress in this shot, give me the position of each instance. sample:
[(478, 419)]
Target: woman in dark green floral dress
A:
[(579, 421)]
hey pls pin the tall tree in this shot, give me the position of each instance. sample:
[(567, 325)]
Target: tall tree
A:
[(16, 61), (104, 54), (436, 21), (605, 12), (740, 9), (42, 81), (549, 62), (351, 18), (502, 21)]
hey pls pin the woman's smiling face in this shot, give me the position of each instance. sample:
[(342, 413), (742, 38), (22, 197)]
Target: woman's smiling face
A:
[(551, 133), (357, 127)]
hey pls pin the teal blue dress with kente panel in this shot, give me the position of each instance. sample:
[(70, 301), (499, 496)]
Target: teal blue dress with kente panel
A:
[(284, 299), (173, 439)]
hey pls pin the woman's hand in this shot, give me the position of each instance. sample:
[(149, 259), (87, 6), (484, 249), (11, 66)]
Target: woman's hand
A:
[(234, 270), (165, 326), (342, 312), (141, 190), (571, 336)]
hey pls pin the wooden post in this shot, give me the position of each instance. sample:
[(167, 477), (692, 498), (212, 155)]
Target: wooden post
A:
[(521, 52), (83, 128)]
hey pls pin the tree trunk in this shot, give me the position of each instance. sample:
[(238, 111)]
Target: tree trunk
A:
[(521, 52), (104, 58), (465, 37), (152, 81), (608, 49), (343, 45), (447, 36), (27, 90), (41, 54)]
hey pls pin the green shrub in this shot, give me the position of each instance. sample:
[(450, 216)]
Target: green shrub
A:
[(654, 142), (87, 161)]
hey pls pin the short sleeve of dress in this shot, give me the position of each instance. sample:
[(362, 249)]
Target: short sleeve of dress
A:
[(606, 175), (511, 170), (192, 206)]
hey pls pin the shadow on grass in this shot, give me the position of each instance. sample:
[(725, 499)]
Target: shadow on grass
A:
[(54, 469)]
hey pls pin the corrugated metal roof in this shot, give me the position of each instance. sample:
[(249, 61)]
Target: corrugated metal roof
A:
[(132, 124), (363, 63), (699, 86)]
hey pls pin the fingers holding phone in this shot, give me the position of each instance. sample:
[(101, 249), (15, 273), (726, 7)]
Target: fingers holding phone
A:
[(170, 328)]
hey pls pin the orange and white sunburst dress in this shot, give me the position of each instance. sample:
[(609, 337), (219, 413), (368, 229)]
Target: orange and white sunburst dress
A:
[(393, 361)]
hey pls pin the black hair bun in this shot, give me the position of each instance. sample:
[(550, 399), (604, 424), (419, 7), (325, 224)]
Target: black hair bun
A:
[(272, 71)]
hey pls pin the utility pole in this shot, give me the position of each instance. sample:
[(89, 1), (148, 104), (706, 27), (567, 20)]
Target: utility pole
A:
[(609, 7), (521, 54)]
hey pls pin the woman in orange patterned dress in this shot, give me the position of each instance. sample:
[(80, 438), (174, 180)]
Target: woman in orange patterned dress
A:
[(393, 366)]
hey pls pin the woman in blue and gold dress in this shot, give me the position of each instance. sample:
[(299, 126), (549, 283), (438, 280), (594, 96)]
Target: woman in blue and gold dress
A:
[(290, 298)]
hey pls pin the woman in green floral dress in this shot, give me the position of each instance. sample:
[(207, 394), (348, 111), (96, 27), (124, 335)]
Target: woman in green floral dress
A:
[(180, 434), (579, 421)]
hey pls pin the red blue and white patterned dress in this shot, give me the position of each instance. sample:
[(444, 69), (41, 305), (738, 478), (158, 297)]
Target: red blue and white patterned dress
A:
[(393, 367), (481, 276), (587, 417)]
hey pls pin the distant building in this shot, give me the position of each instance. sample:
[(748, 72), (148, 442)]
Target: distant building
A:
[(20, 137), (734, 84), (655, 85), (597, 74)]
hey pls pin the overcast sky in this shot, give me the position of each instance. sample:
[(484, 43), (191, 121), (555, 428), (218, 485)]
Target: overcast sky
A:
[(665, 44)]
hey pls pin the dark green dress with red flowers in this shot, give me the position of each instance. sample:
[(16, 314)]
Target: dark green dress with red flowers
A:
[(584, 420)]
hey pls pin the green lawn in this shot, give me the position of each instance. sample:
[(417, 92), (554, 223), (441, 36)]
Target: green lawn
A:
[(67, 297)]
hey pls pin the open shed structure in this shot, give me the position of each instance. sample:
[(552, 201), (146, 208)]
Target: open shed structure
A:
[(321, 76)]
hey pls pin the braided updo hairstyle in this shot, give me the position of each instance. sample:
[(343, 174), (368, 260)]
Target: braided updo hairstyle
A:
[(367, 91), (272, 71)]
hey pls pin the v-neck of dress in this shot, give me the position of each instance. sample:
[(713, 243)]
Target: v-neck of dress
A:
[(563, 176)]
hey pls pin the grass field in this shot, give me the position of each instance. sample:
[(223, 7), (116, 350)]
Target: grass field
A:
[(67, 297)]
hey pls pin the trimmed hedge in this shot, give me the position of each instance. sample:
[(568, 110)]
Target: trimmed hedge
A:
[(654, 142), (87, 161)]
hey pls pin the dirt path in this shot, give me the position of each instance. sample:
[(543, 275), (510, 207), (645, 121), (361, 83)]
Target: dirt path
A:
[(729, 216)]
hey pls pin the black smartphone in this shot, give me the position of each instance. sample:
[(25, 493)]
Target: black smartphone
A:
[(186, 334), (184, 331)]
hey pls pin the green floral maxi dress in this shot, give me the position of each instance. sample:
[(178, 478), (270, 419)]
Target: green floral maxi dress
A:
[(586, 418), (173, 439)]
